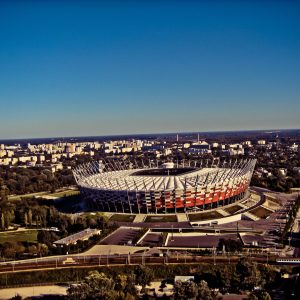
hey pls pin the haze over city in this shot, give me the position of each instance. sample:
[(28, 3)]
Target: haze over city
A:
[(124, 67)]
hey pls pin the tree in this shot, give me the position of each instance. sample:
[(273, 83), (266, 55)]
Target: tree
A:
[(121, 282), (143, 276), (3, 194), (230, 245), (224, 276), (46, 237), (2, 222), (12, 249), (185, 290), (42, 249), (204, 292), (7, 214), (29, 217), (125, 283), (249, 275), (259, 295), (97, 286), (32, 249)]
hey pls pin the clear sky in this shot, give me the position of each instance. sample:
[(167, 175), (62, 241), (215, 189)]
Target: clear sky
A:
[(75, 68)]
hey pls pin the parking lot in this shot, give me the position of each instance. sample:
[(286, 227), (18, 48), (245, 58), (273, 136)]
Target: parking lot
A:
[(121, 236), (200, 241)]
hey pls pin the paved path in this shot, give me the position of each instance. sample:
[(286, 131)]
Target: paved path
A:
[(112, 249), (33, 291), (182, 217), (121, 236), (139, 218), (223, 212)]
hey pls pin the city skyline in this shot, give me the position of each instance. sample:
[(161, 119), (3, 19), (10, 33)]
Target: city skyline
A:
[(110, 68)]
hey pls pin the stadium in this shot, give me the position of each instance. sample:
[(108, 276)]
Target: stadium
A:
[(124, 186)]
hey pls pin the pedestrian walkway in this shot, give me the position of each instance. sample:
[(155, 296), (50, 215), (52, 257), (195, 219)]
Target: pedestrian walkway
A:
[(251, 216), (222, 212), (139, 218), (268, 208), (182, 217), (243, 205)]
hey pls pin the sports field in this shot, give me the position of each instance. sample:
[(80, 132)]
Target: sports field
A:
[(205, 216), (169, 218), (122, 218), (233, 209), (65, 193), (261, 212)]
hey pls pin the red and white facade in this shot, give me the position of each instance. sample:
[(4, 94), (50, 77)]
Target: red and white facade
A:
[(119, 187)]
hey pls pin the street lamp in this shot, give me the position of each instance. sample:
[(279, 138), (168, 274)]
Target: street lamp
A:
[(214, 253), (108, 253), (128, 258)]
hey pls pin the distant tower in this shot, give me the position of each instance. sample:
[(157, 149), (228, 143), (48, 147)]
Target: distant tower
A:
[(277, 140), (177, 137), (198, 139)]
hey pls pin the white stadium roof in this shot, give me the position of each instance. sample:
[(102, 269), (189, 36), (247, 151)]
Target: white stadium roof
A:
[(98, 176)]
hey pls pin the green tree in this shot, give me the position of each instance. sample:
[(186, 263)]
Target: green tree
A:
[(143, 276), (186, 290), (230, 245), (249, 275), (97, 286), (204, 292), (259, 295), (29, 217)]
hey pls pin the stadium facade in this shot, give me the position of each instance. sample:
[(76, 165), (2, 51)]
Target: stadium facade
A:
[(188, 186)]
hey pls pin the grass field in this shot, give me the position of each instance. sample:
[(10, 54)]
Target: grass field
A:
[(233, 209), (261, 212), (59, 194), (204, 216), (18, 197), (122, 218), (273, 199), (18, 236), (64, 193), (152, 219)]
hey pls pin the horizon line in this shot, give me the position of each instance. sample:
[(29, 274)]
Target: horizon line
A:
[(141, 134)]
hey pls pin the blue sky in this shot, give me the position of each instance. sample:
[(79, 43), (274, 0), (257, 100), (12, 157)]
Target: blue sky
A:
[(74, 68)]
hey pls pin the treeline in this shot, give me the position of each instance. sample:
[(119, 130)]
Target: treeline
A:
[(31, 180), (31, 213), (16, 250), (36, 213), (272, 160), (277, 182), (291, 219), (245, 275)]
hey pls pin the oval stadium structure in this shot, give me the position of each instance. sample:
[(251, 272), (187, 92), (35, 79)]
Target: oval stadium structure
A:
[(189, 186)]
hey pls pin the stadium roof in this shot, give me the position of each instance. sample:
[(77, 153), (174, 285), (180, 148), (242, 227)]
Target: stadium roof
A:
[(98, 176)]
